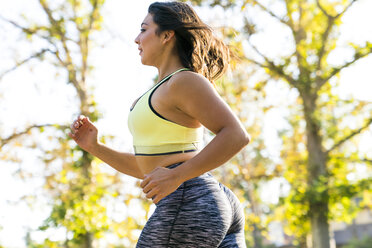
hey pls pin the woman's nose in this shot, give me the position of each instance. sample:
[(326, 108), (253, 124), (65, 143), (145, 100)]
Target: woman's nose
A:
[(136, 40)]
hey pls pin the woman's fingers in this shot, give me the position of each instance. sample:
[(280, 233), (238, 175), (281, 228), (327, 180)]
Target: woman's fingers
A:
[(157, 199), (76, 124), (145, 181), (159, 183), (151, 194), (149, 186)]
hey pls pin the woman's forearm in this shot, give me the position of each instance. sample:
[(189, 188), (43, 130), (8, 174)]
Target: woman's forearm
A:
[(123, 162), (222, 148)]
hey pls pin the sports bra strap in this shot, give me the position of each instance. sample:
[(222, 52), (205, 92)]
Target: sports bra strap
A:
[(170, 75)]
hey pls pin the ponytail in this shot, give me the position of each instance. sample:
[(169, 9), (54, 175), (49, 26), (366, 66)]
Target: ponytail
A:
[(198, 49)]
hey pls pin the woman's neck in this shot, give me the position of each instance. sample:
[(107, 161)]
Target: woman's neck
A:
[(169, 64)]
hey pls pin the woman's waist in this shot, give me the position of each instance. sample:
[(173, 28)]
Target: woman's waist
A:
[(149, 163), (204, 180), (203, 186)]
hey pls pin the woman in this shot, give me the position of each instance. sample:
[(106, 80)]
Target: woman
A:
[(192, 208)]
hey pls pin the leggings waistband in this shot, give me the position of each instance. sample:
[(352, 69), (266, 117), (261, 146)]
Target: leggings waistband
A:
[(174, 165)]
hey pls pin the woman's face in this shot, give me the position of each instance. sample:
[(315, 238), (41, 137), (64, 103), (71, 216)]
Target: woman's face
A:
[(149, 43)]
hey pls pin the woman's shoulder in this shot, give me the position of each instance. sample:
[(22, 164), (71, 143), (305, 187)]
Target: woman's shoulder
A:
[(189, 80)]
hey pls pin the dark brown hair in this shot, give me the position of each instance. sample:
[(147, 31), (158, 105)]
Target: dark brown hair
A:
[(197, 47)]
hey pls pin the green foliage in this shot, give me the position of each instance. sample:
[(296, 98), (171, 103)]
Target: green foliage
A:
[(365, 242), (47, 243), (252, 166), (318, 150), (82, 193), (80, 208), (79, 191)]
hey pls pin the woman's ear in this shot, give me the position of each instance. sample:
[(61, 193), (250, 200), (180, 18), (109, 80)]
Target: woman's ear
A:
[(167, 36)]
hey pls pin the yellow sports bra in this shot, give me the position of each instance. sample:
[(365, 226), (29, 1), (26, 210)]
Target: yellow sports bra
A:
[(153, 134)]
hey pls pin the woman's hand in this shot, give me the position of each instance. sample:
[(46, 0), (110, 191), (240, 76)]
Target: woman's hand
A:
[(160, 183), (84, 133)]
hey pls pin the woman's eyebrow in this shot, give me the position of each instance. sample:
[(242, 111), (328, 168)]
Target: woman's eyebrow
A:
[(144, 23)]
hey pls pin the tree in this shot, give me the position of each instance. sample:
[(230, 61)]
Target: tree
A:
[(79, 189), (251, 167), (316, 155)]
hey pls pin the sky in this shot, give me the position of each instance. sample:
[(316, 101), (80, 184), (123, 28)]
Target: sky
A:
[(34, 95)]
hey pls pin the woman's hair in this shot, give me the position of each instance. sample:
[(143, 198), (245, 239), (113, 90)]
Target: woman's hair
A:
[(197, 47)]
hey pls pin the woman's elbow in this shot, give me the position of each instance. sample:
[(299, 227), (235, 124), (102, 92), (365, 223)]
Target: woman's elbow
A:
[(242, 138), (246, 138)]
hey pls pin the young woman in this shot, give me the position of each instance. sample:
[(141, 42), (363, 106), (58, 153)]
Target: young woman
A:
[(192, 208)]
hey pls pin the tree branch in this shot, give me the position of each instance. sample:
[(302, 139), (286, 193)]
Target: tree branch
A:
[(290, 20), (338, 69), (299, 34), (84, 39), (271, 66), (339, 14), (62, 34), (26, 30), (325, 37), (331, 20), (347, 137), (322, 9), (68, 63), (271, 13), (28, 129), (29, 31), (353, 160), (47, 38), (366, 160), (346, 8), (36, 55)]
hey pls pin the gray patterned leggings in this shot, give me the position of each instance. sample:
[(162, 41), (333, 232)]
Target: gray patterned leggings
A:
[(201, 213)]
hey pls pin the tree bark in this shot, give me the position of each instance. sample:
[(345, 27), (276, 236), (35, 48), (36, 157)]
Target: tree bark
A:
[(317, 170), (257, 237), (88, 240)]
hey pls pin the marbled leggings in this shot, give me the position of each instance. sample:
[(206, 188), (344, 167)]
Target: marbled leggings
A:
[(201, 213)]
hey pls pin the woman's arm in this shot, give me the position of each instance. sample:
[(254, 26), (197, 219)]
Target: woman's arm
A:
[(228, 142), (121, 161), (85, 134), (196, 97)]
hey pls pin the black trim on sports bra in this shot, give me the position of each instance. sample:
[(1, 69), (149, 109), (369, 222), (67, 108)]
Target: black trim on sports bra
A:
[(165, 153), (157, 85), (150, 105), (135, 103)]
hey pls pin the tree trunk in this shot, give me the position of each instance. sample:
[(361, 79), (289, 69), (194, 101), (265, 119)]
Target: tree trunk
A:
[(86, 172), (320, 226), (250, 195), (317, 172), (88, 240), (257, 236)]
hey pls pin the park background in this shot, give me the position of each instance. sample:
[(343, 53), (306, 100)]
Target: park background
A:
[(300, 81)]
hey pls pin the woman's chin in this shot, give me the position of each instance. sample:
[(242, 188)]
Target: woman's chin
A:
[(144, 62)]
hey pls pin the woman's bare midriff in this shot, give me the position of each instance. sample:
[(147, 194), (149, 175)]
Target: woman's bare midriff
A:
[(149, 163)]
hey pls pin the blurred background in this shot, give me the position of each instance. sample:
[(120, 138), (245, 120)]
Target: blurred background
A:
[(300, 81)]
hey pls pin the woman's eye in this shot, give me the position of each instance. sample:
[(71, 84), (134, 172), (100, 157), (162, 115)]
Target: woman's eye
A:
[(143, 30)]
